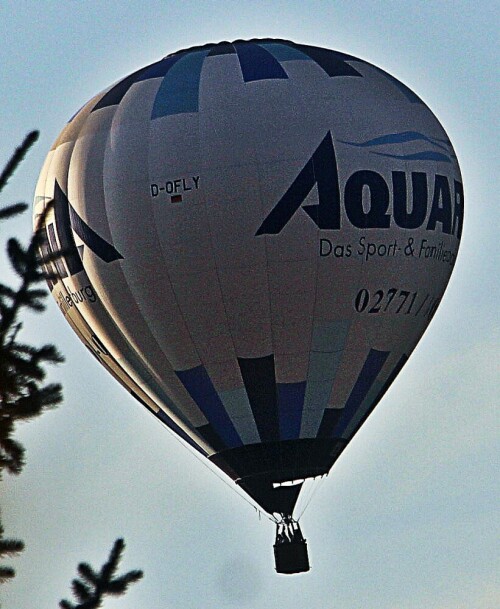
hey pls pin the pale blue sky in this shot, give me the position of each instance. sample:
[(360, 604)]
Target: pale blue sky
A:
[(407, 518)]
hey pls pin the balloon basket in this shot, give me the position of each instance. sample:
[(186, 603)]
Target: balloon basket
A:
[(290, 548)]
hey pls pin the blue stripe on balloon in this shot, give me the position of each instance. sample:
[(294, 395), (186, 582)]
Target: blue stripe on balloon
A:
[(257, 63), (372, 366), (200, 388), (179, 90), (284, 52), (290, 405)]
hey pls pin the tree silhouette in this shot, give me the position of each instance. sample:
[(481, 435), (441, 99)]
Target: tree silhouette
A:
[(8, 547), (22, 393), (93, 586)]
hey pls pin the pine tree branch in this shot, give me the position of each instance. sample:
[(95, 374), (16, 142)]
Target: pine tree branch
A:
[(111, 565), (6, 574), (21, 366), (9, 547), (81, 591), (12, 210), (11, 455), (17, 157), (119, 586), (87, 573), (93, 587)]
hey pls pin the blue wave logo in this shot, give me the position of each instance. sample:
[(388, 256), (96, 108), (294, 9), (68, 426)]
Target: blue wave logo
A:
[(443, 154)]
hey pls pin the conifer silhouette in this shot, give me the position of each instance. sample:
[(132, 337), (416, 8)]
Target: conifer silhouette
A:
[(8, 547), (93, 586), (22, 393)]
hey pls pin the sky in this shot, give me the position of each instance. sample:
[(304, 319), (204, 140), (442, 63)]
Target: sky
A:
[(408, 517)]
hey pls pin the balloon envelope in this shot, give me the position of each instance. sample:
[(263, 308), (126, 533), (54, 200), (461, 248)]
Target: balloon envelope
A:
[(256, 235)]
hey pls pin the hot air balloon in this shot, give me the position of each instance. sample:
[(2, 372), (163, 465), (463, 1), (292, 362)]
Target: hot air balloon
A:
[(255, 236)]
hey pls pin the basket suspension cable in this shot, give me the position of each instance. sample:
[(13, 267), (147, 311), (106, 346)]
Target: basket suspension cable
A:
[(312, 493), (233, 486)]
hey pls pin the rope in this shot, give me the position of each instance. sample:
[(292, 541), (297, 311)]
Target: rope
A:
[(314, 490), (212, 468)]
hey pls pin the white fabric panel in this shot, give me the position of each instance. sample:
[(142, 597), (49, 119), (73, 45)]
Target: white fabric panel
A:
[(234, 214), (125, 372), (292, 290), (287, 133), (184, 237), (338, 283), (245, 296), (225, 375), (200, 299), (174, 144), (114, 282)]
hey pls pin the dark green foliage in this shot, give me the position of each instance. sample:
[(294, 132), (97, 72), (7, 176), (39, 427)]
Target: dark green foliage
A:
[(23, 395), (17, 157), (93, 586), (8, 547), (12, 210)]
